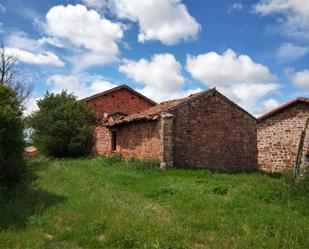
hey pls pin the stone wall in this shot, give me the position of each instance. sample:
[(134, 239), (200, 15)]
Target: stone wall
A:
[(167, 140), (212, 133), (278, 138), (102, 141), (142, 140), (121, 100)]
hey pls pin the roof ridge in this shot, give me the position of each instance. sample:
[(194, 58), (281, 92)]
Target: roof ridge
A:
[(164, 106), (122, 86), (283, 107)]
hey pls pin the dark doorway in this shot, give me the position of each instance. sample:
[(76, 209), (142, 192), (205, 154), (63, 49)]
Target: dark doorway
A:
[(114, 140)]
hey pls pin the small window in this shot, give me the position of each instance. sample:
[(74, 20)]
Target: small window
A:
[(114, 140)]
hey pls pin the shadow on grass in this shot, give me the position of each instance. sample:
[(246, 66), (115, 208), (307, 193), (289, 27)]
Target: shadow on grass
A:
[(25, 203)]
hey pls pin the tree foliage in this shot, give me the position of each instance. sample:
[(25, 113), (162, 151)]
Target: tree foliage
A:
[(11, 138), (63, 126)]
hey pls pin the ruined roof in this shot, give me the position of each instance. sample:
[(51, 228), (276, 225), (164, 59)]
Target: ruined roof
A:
[(154, 113), (119, 88), (283, 107)]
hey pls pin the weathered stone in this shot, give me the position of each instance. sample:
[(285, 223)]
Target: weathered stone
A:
[(279, 136)]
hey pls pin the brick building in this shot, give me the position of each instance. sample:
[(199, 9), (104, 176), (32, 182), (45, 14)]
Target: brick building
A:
[(116, 102), (280, 135), (203, 130)]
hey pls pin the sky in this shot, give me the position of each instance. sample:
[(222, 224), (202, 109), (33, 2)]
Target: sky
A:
[(256, 52)]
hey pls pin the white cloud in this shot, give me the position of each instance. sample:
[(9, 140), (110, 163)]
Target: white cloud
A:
[(165, 20), (238, 76), (30, 106), (161, 76), (22, 41), (50, 41), (301, 79), (86, 59), (46, 58), (28, 50), (237, 6), (270, 104), (289, 51), (2, 9), (95, 3), (294, 15), (215, 69), (81, 85), (251, 97), (85, 28)]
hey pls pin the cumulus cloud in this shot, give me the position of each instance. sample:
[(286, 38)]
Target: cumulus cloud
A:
[(293, 15), (30, 51), (251, 97), (301, 79), (289, 51), (215, 69), (46, 58), (160, 77), (270, 104), (165, 20), (238, 76), (81, 85), (95, 3), (85, 29)]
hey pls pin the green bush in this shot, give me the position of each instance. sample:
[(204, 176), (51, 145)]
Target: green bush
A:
[(63, 126), (12, 164)]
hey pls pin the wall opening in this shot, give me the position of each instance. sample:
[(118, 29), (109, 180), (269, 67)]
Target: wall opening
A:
[(114, 140)]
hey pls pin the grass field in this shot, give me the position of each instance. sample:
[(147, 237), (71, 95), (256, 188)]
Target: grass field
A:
[(105, 203)]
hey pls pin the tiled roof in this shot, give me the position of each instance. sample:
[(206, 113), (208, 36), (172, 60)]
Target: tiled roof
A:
[(116, 89), (153, 113), (283, 107)]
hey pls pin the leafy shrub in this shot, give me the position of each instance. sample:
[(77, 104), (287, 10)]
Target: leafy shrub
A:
[(63, 126), (12, 166)]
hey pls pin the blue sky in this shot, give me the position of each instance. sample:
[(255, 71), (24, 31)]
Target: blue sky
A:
[(256, 52)]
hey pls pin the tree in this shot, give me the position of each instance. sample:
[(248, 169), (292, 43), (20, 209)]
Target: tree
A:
[(12, 165), (63, 126), (10, 75)]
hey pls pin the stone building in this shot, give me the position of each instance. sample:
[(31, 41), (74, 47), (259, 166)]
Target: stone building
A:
[(283, 136), (116, 102), (204, 130)]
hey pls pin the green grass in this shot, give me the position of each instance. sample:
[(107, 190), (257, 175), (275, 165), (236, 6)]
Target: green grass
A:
[(105, 203)]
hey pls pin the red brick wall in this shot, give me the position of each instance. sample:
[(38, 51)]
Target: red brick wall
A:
[(211, 133), (141, 140), (278, 138), (121, 100), (102, 141)]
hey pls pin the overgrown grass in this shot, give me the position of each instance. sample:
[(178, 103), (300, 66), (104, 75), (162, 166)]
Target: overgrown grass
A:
[(107, 203)]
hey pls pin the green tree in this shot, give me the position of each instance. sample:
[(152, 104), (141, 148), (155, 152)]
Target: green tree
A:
[(12, 164), (63, 126)]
